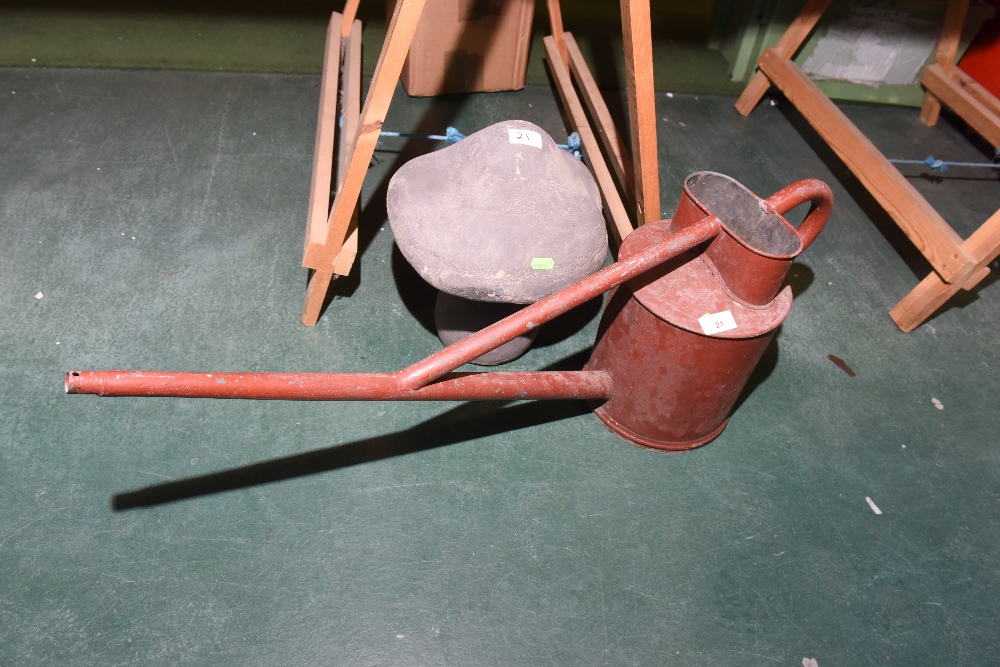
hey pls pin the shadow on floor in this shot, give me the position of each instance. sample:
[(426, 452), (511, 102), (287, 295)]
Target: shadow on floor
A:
[(468, 421)]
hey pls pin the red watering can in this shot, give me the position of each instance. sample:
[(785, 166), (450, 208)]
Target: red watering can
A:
[(696, 302)]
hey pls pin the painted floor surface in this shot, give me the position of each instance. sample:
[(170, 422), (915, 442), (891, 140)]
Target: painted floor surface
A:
[(288, 38), (154, 220)]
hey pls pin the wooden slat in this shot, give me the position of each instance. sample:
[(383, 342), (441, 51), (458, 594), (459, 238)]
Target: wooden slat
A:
[(556, 26), (316, 291), (951, 33), (387, 71), (347, 23), (926, 229), (973, 88), (326, 125), (618, 222), (351, 113), (789, 43), (922, 302), (638, 41), (932, 292), (944, 54), (953, 95), (615, 150), (984, 243)]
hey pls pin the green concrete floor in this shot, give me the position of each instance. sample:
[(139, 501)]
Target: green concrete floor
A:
[(155, 220)]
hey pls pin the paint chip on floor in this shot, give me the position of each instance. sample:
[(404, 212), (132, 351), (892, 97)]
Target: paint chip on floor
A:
[(842, 365), (39, 296), (871, 503), (809, 662), (937, 404)]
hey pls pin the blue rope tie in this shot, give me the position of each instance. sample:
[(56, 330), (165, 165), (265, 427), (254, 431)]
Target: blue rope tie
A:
[(453, 135), (941, 166), (450, 134), (572, 145)]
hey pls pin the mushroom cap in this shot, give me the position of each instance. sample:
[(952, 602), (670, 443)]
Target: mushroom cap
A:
[(503, 215)]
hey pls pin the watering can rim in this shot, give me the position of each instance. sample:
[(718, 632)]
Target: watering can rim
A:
[(764, 206)]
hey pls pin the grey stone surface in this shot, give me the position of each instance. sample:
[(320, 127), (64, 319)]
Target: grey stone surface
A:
[(477, 219)]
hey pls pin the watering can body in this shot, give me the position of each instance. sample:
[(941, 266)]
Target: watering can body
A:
[(683, 340)]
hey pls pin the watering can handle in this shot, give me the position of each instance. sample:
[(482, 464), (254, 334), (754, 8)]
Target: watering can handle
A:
[(810, 190)]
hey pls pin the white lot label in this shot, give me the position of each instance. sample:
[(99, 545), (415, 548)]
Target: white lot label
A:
[(715, 323), (526, 137)]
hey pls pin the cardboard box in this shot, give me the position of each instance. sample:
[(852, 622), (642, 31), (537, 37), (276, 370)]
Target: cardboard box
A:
[(465, 46)]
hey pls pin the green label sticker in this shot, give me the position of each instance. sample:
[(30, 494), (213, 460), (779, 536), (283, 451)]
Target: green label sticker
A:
[(542, 263)]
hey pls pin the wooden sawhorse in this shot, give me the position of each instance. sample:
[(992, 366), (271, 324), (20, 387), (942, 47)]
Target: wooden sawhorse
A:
[(957, 264), (331, 233)]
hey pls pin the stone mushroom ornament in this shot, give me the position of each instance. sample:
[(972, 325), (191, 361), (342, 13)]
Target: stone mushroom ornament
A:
[(496, 221)]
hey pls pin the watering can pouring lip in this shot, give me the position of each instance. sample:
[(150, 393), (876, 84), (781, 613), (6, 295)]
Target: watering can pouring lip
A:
[(755, 249), (742, 213)]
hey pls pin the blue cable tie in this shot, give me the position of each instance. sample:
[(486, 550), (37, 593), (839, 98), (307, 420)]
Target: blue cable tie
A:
[(941, 166), (572, 145), (453, 135), (936, 165)]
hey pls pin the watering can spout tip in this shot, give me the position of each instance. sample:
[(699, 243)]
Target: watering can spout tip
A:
[(76, 382)]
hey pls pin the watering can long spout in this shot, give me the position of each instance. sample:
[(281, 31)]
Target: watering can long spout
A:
[(431, 379), (587, 385)]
